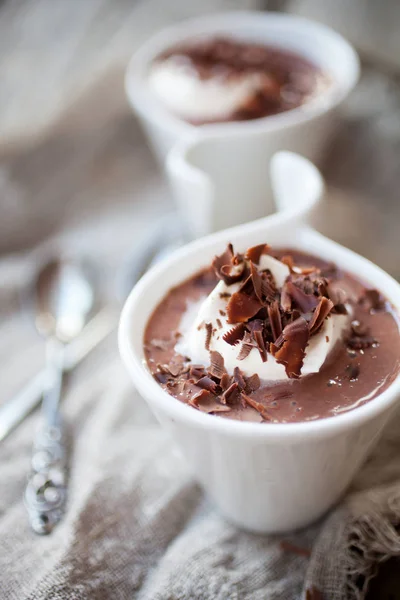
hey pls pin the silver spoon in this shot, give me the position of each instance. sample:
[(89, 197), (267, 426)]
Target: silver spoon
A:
[(64, 298)]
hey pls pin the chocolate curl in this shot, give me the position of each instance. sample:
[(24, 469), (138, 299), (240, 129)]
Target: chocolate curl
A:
[(217, 366), (286, 299), (225, 382), (242, 307), (252, 383), (239, 378), (206, 402), (321, 312), (230, 395), (247, 346), (206, 383), (268, 287), (222, 260), (274, 316), (234, 335), (255, 252), (228, 267), (289, 348), (260, 408), (305, 302), (256, 329)]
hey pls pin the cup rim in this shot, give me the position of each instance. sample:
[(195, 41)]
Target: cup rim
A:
[(144, 102), (279, 432)]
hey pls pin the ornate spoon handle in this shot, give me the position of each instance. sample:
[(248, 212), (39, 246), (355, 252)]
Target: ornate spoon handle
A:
[(45, 493)]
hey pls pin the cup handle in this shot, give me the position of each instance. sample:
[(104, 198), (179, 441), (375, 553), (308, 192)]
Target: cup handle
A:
[(297, 185)]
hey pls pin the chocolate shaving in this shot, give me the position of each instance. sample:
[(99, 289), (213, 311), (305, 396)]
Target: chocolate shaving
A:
[(256, 329), (239, 378), (222, 312), (162, 377), (320, 314), (286, 299), (208, 335), (222, 260), (217, 366), (305, 302), (206, 402), (247, 345), (197, 372), (232, 273), (234, 335), (275, 320), (242, 307), (294, 341), (252, 383), (268, 288), (260, 408), (225, 382), (255, 252), (256, 280), (218, 321), (230, 395), (206, 383)]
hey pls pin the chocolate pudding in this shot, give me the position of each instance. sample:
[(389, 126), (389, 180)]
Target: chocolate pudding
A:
[(273, 336), (223, 79)]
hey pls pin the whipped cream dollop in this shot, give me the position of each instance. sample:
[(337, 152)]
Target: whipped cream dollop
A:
[(211, 314), (176, 84)]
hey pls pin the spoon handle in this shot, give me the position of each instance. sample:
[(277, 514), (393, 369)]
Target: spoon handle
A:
[(45, 493)]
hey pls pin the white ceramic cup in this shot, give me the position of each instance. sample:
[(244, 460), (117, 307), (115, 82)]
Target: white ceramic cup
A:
[(263, 477), (303, 129)]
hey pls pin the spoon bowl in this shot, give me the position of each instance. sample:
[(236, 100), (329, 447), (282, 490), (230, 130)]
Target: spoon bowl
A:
[(263, 477), (63, 298)]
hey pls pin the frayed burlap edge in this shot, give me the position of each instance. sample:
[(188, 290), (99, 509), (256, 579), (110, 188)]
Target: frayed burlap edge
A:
[(358, 536)]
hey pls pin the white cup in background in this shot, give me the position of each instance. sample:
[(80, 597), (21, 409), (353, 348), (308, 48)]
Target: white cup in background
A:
[(234, 156)]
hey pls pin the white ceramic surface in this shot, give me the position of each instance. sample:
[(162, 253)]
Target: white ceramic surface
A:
[(304, 129), (263, 477)]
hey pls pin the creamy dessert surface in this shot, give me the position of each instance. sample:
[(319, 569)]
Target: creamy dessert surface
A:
[(317, 343), (226, 79)]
